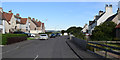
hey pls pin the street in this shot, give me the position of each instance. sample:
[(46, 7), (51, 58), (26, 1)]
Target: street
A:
[(51, 48)]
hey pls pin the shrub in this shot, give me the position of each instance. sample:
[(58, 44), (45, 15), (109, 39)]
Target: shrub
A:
[(5, 36)]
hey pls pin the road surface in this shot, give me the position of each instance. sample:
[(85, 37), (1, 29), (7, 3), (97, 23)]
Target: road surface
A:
[(34, 49)]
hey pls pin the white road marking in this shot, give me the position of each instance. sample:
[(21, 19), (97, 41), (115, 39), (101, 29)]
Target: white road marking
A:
[(36, 57)]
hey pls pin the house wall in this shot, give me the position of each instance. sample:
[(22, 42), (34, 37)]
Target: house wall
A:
[(13, 22), (119, 16), (32, 25), (7, 27), (85, 28), (91, 28), (115, 20), (107, 14), (18, 26), (25, 27)]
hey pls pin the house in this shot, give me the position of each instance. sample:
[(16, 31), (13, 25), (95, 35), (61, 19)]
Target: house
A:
[(25, 25), (8, 20), (114, 18), (10, 23), (100, 18), (85, 29), (35, 26), (118, 31)]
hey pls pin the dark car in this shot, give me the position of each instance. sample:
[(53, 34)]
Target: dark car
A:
[(58, 34), (20, 32), (52, 36)]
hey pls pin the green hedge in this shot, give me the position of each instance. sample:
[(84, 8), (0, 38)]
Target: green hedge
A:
[(5, 36)]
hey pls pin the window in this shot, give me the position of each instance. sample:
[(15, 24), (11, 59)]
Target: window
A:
[(35, 28), (15, 27)]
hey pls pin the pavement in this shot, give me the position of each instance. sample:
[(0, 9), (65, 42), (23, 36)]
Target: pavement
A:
[(84, 54), (51, 49)]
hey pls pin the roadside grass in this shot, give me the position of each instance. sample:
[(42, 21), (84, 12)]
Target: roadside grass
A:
[(30, 38)]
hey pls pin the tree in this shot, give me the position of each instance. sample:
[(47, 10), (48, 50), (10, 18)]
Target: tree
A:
[(76, 31), (63, 31), (104, 31)]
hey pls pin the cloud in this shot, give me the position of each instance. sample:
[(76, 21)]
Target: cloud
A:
[(60, 0)]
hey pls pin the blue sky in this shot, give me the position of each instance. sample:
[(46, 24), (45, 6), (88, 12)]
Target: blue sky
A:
[(60, 15)]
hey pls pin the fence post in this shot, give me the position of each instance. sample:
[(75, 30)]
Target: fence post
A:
[(106, 51)]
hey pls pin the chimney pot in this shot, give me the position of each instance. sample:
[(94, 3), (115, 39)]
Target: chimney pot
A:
[(110, 5)]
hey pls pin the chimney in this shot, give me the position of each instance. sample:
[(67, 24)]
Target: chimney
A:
[(33, 19), (94, 17), (36, 20), (100, 12), (10, 11), (29, 18), (1, 10), (108, 9), (18, 14)]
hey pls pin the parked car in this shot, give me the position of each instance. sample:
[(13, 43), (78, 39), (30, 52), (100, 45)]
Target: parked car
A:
[(43, 36), (52, 36), (33, 35), (58, 34), (20, 32)]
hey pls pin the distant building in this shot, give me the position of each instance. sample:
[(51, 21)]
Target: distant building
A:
[(36, 26), (85, 29)]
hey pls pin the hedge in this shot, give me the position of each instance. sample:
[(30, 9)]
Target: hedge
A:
[(5, 36)]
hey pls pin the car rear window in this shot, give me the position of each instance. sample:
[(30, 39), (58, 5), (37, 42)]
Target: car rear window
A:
[(43, 35)]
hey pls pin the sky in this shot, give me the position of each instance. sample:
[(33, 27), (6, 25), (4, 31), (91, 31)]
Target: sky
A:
[(59, 15)]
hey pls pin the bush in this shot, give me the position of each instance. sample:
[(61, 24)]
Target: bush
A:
[(5, 36), (104, 32)]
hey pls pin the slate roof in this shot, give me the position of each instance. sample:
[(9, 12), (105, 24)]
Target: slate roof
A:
[(97, 17), (111, 17)]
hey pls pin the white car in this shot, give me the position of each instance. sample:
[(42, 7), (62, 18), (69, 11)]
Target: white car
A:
[(43, 36), (32, 35)]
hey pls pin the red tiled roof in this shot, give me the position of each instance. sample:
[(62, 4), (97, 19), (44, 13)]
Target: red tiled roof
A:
[(7, 16), (38, 24), (118, 26), (23, 20)]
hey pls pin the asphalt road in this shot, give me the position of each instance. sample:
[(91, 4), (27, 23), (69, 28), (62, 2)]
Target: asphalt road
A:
[(51, 48)]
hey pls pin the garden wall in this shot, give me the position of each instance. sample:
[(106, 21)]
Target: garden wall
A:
[(81, 43)]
